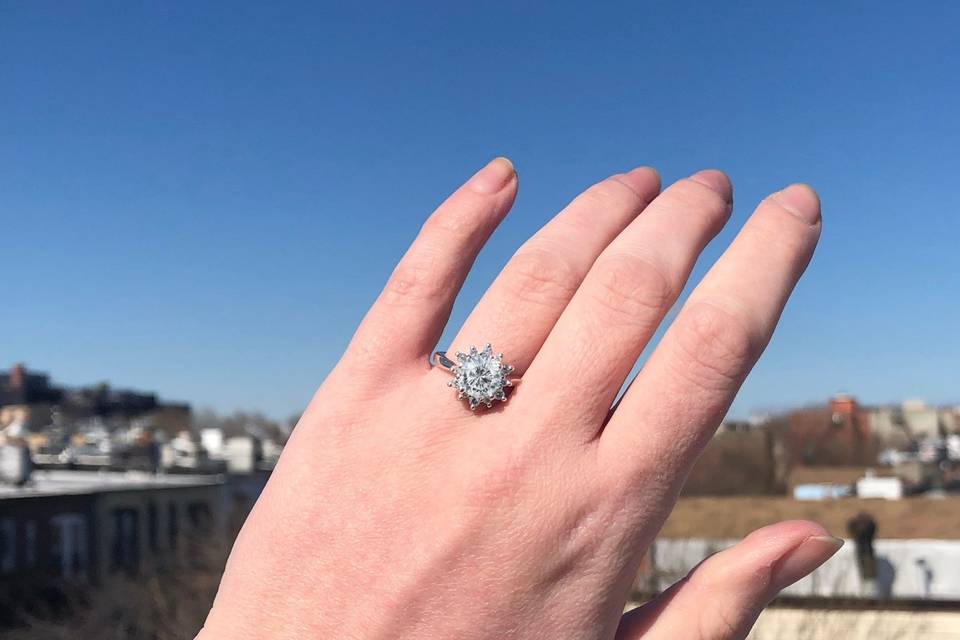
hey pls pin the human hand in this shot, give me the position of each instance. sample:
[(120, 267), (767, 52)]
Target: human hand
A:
[(397, 512)]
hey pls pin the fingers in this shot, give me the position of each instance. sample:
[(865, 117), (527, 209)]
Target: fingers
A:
[(722, 597), (687, 385), (522, 305), (408, 317), (623, 298)]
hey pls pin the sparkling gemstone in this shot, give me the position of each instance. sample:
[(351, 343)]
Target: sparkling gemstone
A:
[(481, 376)]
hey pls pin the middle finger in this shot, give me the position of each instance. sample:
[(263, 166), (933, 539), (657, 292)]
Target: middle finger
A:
[(523, 303), (622, 301)]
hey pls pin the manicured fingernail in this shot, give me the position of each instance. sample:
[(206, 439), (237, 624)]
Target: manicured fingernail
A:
[(811, 553), (801, 201), (716, 180), (492, 177)]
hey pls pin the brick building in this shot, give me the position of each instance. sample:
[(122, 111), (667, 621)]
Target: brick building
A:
[(29, 399), (26, 398), (838, 434)]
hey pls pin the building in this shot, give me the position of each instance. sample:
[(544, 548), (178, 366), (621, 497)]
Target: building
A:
[(29, 400), (740, 460), (26, 398), (85, 526), (169, 419), (846, 433), (912, 421), (835, 435)]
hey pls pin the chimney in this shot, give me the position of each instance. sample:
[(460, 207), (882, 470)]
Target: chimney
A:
[(18, 373), (843, 404)]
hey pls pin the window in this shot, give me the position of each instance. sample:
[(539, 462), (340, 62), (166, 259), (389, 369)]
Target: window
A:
[(153, 532), (201, 525), (200, 517), (30, 544), (126, 540), (173, 524), (8, 545), (69, 548)]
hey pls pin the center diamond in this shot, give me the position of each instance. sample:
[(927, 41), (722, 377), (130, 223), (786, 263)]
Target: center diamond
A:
[(481, 376)]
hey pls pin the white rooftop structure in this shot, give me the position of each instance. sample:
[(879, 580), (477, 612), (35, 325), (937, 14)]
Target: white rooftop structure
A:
[(908, 569), (870, 486)]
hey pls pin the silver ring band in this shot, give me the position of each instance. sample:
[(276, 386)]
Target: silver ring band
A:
[(441, 360)]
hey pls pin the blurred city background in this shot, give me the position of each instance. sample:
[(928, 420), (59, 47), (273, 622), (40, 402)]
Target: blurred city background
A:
[(199, 201)]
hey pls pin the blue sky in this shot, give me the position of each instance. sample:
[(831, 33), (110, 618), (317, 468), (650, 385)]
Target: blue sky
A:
[(203, 198)]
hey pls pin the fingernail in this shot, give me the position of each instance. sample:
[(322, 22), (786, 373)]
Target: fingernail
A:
[(643, 181), (716, 180), (492, 177), (801, 201), (811, 553)]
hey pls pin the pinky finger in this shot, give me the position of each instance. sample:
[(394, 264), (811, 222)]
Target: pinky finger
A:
[(722, 597)]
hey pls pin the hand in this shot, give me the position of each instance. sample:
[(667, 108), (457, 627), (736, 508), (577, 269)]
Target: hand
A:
[(397, 512)]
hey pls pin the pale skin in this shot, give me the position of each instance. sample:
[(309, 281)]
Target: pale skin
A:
[(397, 512)]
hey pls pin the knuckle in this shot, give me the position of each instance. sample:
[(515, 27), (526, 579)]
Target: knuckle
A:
[(414, 281), (540, 276), (688, 194), (631, 288), (714, 348), (608, 193), (720, 624), (465, 216), (782, 231), (449, 221)]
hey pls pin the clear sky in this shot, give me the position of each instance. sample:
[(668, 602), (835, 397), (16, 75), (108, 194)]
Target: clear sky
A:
[(203, 198)]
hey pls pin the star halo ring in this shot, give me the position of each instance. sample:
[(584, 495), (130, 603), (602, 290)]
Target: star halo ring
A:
[(479, 375)]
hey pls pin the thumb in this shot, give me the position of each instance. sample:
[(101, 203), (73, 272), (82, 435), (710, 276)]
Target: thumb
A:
[(722, 597)]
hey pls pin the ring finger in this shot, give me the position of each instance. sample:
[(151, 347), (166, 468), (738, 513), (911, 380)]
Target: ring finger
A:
[(520, 308)]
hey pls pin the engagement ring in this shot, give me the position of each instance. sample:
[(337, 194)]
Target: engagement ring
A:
[(478, 376)]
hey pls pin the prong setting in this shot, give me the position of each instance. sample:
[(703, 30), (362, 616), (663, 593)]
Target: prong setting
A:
[(480, 376)]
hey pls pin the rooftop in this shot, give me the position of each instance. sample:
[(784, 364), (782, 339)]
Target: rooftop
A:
[(833, 474), (736, 516), (68, 482)]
